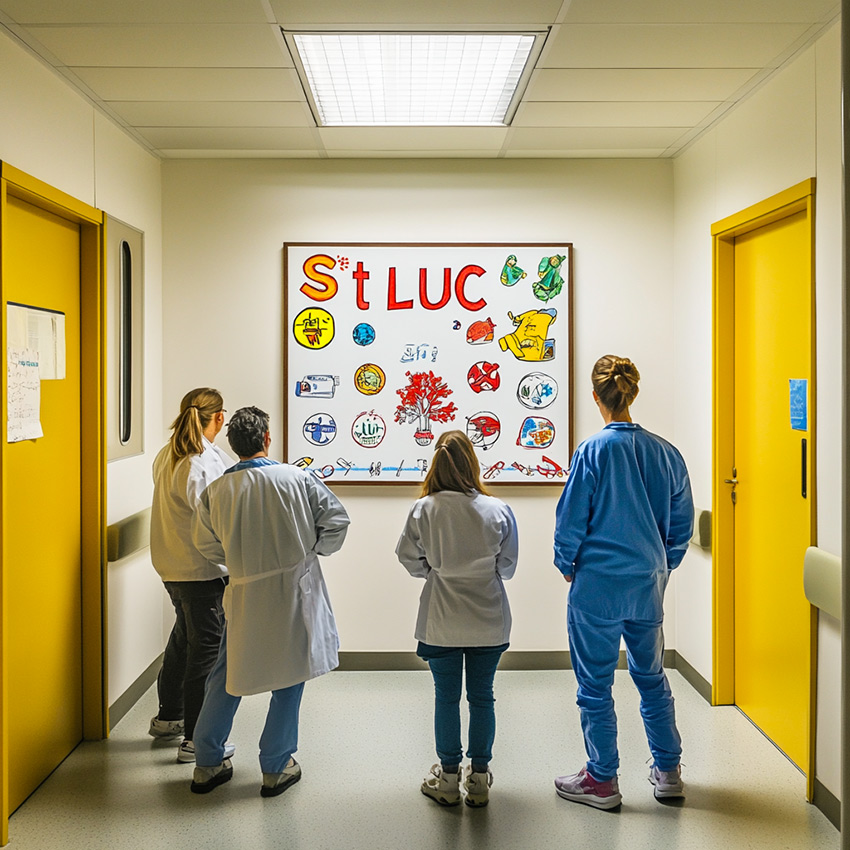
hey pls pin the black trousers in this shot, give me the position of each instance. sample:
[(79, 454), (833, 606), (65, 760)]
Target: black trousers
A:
[(191, 650)]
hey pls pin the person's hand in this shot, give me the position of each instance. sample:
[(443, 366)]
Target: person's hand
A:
[(568, 578)]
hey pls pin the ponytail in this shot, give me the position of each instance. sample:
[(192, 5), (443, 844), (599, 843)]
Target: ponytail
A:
[(615, 381), (197, 409), (454, 466)]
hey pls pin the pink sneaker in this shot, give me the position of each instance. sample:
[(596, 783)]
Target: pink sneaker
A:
[(581, 787)]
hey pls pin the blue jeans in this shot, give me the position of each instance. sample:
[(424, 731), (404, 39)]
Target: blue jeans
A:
[(280, 733), (446, 663), (594, 652), (191, 650)]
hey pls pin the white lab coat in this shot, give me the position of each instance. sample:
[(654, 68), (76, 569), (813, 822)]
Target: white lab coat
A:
[(268, 523), (463, 546), (176, 494)]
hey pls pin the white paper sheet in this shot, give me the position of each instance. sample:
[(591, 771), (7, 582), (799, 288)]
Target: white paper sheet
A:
[(24, 395)]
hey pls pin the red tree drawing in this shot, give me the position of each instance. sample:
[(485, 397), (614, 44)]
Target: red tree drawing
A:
[(420, 403)]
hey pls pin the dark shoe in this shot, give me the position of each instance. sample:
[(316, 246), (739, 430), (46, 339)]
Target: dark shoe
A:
[(207, 778), (277, 783)]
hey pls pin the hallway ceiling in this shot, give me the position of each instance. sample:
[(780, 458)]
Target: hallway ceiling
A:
[(616, 78)]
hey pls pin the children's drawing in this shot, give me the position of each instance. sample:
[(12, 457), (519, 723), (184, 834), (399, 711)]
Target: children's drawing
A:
[(317, 386), (525, 470), (414, 353), (551, 282), (375, 469), (456, 326), (549, 469), (363, 334), (313, 328), (344, 465), (529, 340), (320, 429), (479, 333), (484, 377), (494, 470), (421, 404), (535, 433), (537, 390), (483, 429), (302, 462), (369, 379), (511, 272), (368, 429)]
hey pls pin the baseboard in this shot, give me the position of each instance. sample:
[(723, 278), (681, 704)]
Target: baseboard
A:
[(701, 685), (134, 693), (828, 803)]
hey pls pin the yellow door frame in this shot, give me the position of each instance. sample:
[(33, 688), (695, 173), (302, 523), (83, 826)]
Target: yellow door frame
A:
[(796, 199), (17, 184)]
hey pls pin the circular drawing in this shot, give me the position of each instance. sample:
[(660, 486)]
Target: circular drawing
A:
[(483, 429), (369, 379), (537, 390), (368, 429), (535, 433), (484, 377), (320, 429), (313, 328), (364, 334)]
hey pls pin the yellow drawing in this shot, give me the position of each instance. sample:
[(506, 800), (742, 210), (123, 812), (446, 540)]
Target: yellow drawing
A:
[(528, 341), (369, 379), (313, 328)]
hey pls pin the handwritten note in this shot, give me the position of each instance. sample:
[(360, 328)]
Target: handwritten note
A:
[(24, 398)]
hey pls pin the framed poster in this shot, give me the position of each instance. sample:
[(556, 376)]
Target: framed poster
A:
[(388, 345)]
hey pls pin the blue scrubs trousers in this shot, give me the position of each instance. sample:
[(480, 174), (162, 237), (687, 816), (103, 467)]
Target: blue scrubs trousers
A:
[(594, 652), (280, 733), (447, 663)]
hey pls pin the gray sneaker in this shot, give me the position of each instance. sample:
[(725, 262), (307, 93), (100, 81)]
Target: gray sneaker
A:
[(165, 728), (444, 788), (277, 783), (477, 787), (186, 752), (205, 779), (668, 783)]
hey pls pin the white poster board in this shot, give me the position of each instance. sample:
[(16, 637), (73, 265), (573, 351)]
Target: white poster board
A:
[(388, 345)]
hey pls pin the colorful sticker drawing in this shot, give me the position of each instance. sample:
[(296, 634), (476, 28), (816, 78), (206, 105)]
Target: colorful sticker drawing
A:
[(344, 465), (537, 390), (363, 334), (320, 429), (317, 386), (369, 379), (484, 377), (529, 341), (494, 470), (421, 404), (525, 470), (551, 282), (511, 272), (456, 325), (423, 351), (368, 429), (483, 429), (535, 433), (549, 469), (303, 462), (313, 328), (479, 333)]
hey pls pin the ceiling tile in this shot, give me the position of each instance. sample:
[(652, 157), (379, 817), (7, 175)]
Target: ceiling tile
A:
[(677, 46), (638, 84), (294, 13), (180, 45), (593, 138), (215, 138), (613, 114), (700, 11), (182, 84), (213, 114), (413, 138), (147, 12)]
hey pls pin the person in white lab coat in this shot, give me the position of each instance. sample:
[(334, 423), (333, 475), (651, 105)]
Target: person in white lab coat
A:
[(268, 522), (463, 542), (181, 472)]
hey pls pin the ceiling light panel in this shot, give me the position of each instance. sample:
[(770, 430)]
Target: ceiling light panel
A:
[(414, 78)]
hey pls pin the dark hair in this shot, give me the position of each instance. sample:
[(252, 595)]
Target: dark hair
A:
[(246, 431), (196, 412), (615, 381), (454, 466)]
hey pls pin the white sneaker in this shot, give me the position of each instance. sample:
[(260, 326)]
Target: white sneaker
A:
[(206, 778), (277, 783), (186, 752), (668, 783), (477, 787), (165, 728), (442, 787)]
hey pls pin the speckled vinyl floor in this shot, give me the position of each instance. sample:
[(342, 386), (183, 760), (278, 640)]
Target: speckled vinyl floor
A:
[(365, 746)]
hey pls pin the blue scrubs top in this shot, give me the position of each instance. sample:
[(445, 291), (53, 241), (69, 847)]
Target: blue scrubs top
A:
[(623, 522)]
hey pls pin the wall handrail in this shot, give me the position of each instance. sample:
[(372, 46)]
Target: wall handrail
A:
[(822, 580)]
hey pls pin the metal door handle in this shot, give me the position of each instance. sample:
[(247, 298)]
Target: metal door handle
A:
[(730, 480)]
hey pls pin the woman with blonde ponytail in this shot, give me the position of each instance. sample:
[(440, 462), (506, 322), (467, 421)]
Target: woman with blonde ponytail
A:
[(183, 469), (623, 523), (463, 542)]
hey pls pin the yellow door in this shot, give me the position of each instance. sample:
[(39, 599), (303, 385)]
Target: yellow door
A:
[(772, 513), (43, 567)]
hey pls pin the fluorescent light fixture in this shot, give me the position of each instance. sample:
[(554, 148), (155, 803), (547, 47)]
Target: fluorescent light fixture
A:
[(406, 79)]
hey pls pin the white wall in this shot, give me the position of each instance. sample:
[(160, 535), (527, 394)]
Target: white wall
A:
[(788, 131), (50, 132), (224, 225)]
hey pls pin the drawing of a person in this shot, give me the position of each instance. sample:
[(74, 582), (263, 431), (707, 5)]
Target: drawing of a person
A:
[(551, 282), (511, 272)]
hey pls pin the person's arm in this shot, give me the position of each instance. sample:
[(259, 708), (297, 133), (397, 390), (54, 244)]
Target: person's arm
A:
[(409, 549), (681, 522), (330, 518), (506, 559), (573, 514), (205, 539)]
